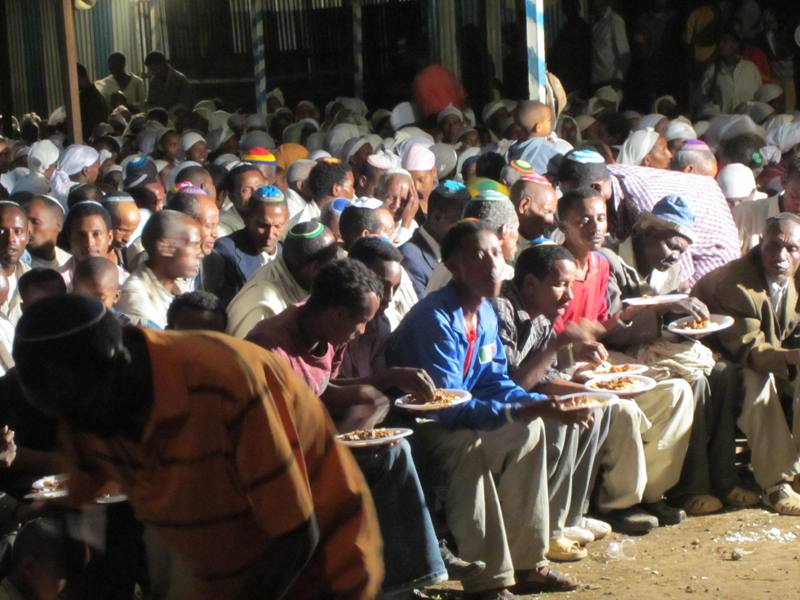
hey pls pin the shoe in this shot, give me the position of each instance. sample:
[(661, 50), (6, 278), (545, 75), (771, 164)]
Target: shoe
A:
[(599, 529), (741, 497), (542, 580), (457, 567), (782, 499), (631, 521), (701, 504), (565, 550), (666, 514), (579, 535)]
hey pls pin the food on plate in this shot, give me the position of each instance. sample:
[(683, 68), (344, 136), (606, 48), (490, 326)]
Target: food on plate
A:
[(624, 368), (583, 402), (50, 484), (365, 435), (441, 398), (696, 324), (618, 384)]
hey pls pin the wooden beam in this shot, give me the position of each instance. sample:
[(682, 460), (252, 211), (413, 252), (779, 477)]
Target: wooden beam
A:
[(6, 97), (69, 71)]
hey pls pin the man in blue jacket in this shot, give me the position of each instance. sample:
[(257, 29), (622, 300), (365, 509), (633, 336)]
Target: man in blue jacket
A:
[(490, 451)]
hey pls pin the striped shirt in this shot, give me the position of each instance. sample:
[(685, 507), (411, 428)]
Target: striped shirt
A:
[(237, 452), (638, 189)]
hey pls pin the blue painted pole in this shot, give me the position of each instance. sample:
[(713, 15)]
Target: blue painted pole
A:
[(534, 18), (257, 13)]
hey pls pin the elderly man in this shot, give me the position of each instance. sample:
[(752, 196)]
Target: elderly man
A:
[(46, 218), (422, 252), (396, 190), (13, 241), (536, 120), (172, 241), (168, 86), (492, 447), (535, 201), (249, 249), (289, 514), (630, 191), (125, 220), (214, 275), (283, 281), (694, 156), (420, 162), (242, 181), (759, 291)]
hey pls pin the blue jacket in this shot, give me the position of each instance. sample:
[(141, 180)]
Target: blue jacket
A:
[(432, 337), (419, 261), (239, 252), (537, 151)]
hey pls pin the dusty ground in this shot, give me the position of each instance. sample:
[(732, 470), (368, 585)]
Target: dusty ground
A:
[(695, 559)]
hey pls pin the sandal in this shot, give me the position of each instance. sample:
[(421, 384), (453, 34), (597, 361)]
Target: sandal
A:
[(565, 550), (544, 579), (741, 497), (702, 504), (782, 499)]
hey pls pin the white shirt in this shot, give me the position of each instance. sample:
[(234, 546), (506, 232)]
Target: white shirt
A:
[(300, 211), (609, 48), (750, 218), (733, 86), (12, 309), (134, 91), (6, 344), (145, 297)]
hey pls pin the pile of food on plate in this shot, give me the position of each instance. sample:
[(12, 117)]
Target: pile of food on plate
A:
[(51, 484), (618, 384), (696, 324), (363, 435), (609, 368), (441, 398)]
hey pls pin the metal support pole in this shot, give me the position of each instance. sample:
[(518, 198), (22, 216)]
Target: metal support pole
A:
[(69, 69), (257, 14), (534, 17)]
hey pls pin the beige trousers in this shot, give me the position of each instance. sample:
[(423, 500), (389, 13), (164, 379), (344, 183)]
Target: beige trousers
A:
[(495, 498), (774, 449)]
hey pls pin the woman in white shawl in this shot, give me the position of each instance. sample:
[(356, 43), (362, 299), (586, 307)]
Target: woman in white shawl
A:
[(645, 148), (78, 165)]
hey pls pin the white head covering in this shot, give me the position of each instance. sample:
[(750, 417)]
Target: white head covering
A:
[(42, 156), (490, 109), (560, 125), (650, 121), (584, 122), (378, 116), (352, 146), (189, 139), (609, 94), (700, 128), (758, 111), (223, 160), (463, 157), (769, 92), (338, 136), (784, 136), (418, 158), (317, 154), (637, 146), (446, 159), (447, 111), (679, 129), (402, 114), (218, 136), (736, 181), (74, 159), (255, 139)]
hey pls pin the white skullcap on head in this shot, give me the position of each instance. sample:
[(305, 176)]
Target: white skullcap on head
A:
[(77, 157), (367, 202), (42, 156), (490, 109), (419, 158), (609, 94), (769, 92), (380, 160), (317, 154), (679, 129), (352, 146), (650, 121), (637, 146), (217, 119), (189, 139), (446, 159), (224, 159), (402, 114), (449, 110), (736, 181)]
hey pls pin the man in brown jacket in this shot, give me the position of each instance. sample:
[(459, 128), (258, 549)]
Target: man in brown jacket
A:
[(760, 292)]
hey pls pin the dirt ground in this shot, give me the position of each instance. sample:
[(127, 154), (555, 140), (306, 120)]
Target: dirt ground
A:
[(743, 555)]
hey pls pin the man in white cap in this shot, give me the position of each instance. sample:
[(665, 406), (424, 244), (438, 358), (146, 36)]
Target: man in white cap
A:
[(42, 162), (678, 131), (694, 156), (450, 121), (195, 147), (371, 171), (46, 218), (396, 190), (738, 184), (421, 163)]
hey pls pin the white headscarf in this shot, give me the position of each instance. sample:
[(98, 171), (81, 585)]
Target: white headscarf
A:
[(649, 121), (74, 160), (637, 146), (42, 156)]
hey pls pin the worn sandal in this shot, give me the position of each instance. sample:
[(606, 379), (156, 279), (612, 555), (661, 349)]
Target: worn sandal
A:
[(741, 497), (544, 579), (701, 505), (782, 499)]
